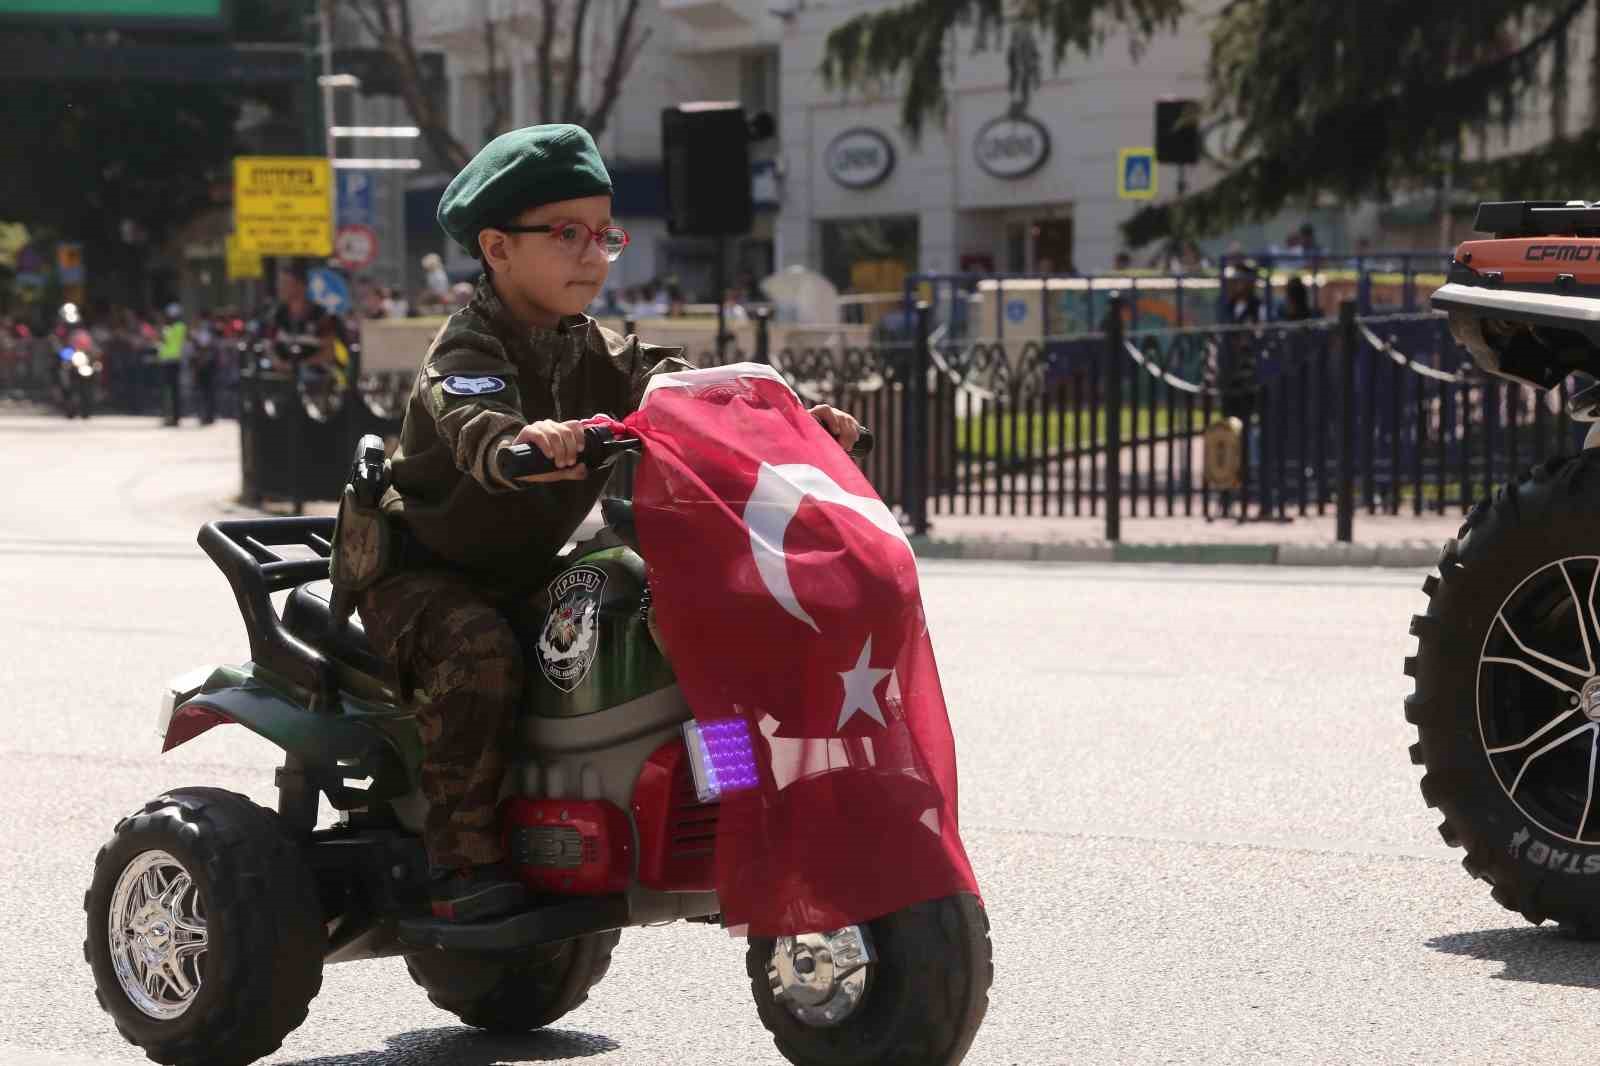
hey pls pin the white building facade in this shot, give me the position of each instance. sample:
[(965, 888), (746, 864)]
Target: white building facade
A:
[(842, 189), (991, 188)]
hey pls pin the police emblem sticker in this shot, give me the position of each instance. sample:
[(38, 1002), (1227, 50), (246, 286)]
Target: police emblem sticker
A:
[(456, 385), (571, 635)]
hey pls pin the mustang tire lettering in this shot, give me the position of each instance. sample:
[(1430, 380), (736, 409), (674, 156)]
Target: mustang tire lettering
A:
[(1559, 861)]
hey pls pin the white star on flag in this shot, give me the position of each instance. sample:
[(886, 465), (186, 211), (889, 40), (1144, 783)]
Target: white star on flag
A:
[(859, 682)]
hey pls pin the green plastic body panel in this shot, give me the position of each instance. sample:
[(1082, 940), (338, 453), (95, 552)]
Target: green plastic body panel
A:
[(367, 740), (380, 740), (627, 663)]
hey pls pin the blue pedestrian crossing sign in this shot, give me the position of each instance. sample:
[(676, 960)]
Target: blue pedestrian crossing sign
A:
[(328, 291), (1136, 174)]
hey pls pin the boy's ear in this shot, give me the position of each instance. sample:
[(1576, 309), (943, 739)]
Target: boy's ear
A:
[(492, 247)]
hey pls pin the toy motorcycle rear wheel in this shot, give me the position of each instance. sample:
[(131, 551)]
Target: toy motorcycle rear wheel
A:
[(204, 930), (519, 995), (918, 1002), (1507, 697)]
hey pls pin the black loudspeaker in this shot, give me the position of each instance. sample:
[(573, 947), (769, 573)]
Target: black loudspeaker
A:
[(1178, 131), (705, 150)]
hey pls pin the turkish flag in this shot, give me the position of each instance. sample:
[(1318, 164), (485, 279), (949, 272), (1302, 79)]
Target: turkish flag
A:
[(786, 596)]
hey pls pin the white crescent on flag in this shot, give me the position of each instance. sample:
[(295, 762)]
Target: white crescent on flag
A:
[(779, 492)]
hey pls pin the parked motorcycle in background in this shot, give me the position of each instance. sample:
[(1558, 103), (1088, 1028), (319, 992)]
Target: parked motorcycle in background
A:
[(77, 367)]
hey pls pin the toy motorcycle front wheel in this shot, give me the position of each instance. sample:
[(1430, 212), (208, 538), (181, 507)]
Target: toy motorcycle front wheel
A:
[(909, 988), (204, 930)]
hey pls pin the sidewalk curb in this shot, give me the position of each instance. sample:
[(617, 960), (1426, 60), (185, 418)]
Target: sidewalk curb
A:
[(1414, 554)]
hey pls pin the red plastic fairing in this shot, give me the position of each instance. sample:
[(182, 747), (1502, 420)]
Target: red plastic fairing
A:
[(189, 721), (677, 833), (572, 847)]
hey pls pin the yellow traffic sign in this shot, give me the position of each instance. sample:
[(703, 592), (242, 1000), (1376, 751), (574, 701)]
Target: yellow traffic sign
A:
[(243, 264), (1136, 174), (282, 205)]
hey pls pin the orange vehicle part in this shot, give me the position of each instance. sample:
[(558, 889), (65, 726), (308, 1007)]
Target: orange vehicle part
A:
[(1534, 260)]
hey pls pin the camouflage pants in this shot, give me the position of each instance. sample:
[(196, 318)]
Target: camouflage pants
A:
[(461, 665)]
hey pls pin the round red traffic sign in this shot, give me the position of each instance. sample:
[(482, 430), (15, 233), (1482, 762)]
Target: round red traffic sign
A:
[(356, 246)]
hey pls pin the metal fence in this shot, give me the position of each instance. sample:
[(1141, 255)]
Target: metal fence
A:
[(1014, 306), (1382, 414), (129, 382)]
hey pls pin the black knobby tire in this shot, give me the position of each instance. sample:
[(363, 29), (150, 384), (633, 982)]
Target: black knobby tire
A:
[(1541, 532), (515, 995), (264, 931), (926, 995)]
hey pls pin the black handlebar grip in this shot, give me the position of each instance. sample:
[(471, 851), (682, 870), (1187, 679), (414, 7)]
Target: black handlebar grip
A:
[(523, 460), (863, 445)]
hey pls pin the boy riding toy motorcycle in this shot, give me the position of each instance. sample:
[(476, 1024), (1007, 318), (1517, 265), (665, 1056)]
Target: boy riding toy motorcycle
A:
[(516, 765)]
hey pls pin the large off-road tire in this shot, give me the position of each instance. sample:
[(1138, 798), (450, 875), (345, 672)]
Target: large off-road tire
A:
[(205, 889), (518, 995), (922, 1001), (1507, 695)]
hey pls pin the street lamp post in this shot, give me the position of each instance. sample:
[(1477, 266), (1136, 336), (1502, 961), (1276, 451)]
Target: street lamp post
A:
[(329, 81)]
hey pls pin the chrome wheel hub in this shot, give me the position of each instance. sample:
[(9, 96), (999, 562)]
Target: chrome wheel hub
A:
[(821, 978), (156, 928)]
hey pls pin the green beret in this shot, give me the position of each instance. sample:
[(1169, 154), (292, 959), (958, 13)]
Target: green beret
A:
[(518, 170)]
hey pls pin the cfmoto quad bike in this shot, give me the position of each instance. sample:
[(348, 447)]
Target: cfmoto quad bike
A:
[(1507, 667)]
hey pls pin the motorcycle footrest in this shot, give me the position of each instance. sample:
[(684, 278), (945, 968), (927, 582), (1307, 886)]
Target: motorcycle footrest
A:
[(540, 925)]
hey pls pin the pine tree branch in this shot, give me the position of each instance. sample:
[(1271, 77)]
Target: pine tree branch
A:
[(1363, 145)]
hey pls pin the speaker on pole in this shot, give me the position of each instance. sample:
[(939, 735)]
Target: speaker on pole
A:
[(1178, 131), (705, 148)]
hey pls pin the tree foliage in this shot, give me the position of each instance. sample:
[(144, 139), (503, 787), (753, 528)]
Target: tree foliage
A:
[(558, 57), (1346, 101), (911, 39)]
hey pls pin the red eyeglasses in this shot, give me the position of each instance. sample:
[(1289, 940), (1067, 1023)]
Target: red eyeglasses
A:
[(572, 236)]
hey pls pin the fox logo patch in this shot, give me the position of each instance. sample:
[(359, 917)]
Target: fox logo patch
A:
[(457, 385)]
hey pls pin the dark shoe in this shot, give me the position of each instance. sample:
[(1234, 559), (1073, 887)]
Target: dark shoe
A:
[(474, 893)]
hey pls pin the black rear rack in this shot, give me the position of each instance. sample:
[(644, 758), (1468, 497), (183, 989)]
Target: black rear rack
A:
[(245, 551), (1539, 218)]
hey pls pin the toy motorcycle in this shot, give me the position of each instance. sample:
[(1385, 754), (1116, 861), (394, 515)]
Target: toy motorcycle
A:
[(1507, 669), (210, 918)]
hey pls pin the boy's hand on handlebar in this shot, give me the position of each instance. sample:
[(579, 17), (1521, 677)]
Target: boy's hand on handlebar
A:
[(561, 443), (845, 429)]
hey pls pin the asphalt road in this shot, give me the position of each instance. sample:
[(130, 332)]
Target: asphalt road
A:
[(1185, 791)]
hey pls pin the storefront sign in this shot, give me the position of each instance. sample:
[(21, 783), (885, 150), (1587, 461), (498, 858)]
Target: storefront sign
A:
[(859, 158), (1012, 146)]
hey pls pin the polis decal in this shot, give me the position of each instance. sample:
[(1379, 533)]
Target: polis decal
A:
[(570, 638), (1561, 253), (859, 158), (1012, 146)]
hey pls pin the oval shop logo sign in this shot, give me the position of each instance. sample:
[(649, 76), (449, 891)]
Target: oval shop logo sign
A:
[(1012, 146), (859, 158)]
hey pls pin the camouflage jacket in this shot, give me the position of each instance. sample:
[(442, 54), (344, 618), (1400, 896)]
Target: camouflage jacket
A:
[(483, 379)]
